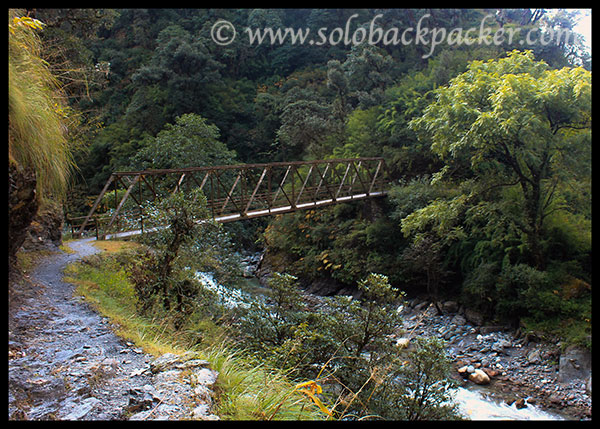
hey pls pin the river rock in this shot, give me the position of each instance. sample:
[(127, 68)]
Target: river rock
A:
[(458, 320), (555, 399), (402, 342), (449, 307), (520, 404), (499, 346), (534, 357), (463, 371), (488, 329), (431, 311), (474, 317), (418, 306), (479, 377), (491, 372)]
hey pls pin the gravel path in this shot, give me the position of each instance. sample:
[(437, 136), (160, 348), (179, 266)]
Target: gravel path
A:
[(65, 362)]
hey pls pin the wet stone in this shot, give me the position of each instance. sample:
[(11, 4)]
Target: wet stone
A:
[(81, 410), (139, 400), (66, 363)]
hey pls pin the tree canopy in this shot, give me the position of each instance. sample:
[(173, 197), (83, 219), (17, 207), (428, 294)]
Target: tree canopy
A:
[(513, 122)]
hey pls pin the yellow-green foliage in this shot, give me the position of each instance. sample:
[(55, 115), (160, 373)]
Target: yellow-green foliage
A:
[(36, 131)]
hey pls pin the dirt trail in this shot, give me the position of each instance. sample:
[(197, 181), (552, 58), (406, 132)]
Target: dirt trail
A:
[(66, 363)]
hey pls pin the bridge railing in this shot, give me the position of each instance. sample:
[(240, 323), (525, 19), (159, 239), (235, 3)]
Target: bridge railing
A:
[(242, 191)]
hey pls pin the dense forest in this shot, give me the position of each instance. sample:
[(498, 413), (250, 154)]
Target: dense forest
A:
[(488, 144)]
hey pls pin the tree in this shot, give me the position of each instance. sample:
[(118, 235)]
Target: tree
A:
[(166, 274), (338, 81), (419, 388), (180, 65), (268, 324), (370, 72), (190, 142), (390, 383), (305, 122), (375, 316), (512, 122)]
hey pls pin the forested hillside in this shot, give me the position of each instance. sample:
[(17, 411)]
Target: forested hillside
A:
[(483, 117), (489, 147)]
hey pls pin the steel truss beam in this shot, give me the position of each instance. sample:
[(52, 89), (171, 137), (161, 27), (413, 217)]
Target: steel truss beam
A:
[(244, 191)]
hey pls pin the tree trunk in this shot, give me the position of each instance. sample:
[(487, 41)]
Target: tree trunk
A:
[(532, 208)]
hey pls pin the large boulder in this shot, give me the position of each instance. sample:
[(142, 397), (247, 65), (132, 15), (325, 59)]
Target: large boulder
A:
[(478, 376), (449, 307), (575, 364), (474, 317)]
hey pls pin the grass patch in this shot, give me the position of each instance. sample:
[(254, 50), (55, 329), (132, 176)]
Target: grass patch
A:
[(245, 390), (113, 246), (29, 259), (571, 331), (65, 247)]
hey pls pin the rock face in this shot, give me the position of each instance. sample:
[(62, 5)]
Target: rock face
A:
[(45, 230), (29, 225), (22, 205), (575, 364)]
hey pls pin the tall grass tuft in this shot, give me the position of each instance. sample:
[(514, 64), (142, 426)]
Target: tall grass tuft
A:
[(251, 391), (36, 118)]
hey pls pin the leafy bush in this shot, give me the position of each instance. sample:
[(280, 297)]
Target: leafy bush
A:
[(479, 287), (183, 243), (418, 385), (346, 344), (340, 242)]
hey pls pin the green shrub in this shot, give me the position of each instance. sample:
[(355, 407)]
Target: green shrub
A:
[(418, 385), (479, 287)]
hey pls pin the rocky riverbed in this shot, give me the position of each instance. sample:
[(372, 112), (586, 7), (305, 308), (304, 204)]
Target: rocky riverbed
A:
[(66, 363), (520, 369)]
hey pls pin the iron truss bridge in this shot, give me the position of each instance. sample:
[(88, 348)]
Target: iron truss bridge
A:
[(233, 192)]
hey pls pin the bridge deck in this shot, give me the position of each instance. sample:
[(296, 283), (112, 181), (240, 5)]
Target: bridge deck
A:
[(259, 213)]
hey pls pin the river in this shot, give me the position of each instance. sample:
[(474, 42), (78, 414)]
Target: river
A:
[(474, 402), (478, 403)]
